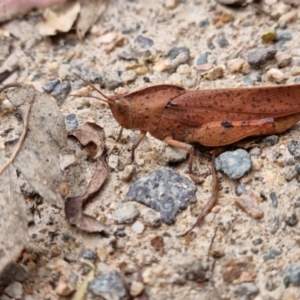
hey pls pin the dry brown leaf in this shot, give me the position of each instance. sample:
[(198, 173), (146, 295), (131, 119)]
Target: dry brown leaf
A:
[(13, 221), (90, 133), (38, 158), (61, 18), (73, 205), (91, 11)]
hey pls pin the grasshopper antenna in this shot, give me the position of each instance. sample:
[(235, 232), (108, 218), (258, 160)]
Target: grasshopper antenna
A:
[(94, 88)]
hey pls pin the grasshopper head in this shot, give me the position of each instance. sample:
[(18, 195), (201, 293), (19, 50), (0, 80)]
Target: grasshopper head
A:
[(121, 110)]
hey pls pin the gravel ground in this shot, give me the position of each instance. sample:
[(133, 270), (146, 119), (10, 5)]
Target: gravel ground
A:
[(233, 254)]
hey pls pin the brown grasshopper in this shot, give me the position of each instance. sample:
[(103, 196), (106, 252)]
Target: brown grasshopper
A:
[(212, 118)]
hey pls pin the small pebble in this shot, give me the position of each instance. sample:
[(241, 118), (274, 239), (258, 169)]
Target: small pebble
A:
[(217, 250), (213, 74), (283, 59), (143, 41), (157, 242), (128, 76), (292, 275), (165, 191), (48, 87), (175, 79), (222, 41), (249, 204), (136, 288), (257, 242), (138, 227), (234, 164), (246, 290), (204, 23), (283, 36), (291, 219), (71, 122), (288, 17), (108, 285), (14, 290), (295, 71), (171, 3), (270, 140), (294, 149), (275, 75), (238, 65), (183, 69), (128, 172), (61, 91), (271, 254), (152, 218), (125, 213), (240, 189), (112, 80), (274, 199), (202, 59), (258, 57)]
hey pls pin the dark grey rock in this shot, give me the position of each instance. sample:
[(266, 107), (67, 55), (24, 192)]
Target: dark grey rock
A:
[(12, 272), (294, 149), (240, 189), (202, 59), (143, 41), (71, 122), (291, 219), (61, 91), (210, 45), (257, 241), (48, 87), (246, 290), (258, 57), (165, 191), (283, 36), (270, 140), (234, 164), (271, 254), (274, 199), (94, 77), (275, 224), (204, 23), (125, 213), (292, 275), (88, 254), (222, 41), (112, 80), (175, 51), (108, 285), (297, 168), (290, 174)]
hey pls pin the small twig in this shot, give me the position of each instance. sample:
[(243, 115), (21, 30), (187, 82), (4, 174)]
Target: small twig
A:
[(25, 128), (211, 242)]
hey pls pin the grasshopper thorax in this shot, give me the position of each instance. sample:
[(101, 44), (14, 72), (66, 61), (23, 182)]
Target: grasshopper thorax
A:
[(121, 110)]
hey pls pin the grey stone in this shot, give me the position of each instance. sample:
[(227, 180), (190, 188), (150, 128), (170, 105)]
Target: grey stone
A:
[(292, 275), (165, 191), (297, 168), (202, 59), (258, 57), (297, 79), (222, 41), (204, 23), (143, 41), (152, 218), (48, 87), (14, 290), (294, 149), (240, 189), (274, 199), (12, 272), (61, 91), (88, 254), (270, 140), (71, 122), (175, 51), (235, 164), (112, 80), (291, 219), (257, 241), (271, 254), (283, 36), (109, 285), (210, 45), (246, 290), (125, 213)]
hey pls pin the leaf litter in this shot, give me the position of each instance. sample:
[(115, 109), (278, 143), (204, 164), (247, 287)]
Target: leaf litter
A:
[(35, 156), (92, 137)]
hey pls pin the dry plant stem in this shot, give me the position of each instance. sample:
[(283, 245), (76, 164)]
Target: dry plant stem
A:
[(22, 137), (212, 201)]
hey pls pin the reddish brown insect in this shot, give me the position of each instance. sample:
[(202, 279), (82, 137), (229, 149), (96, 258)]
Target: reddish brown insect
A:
[(210, 117)]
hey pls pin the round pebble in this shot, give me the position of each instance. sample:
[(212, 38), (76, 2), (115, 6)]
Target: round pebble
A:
[(128, 76), (125, 213), (138, 227), (136, 288)]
